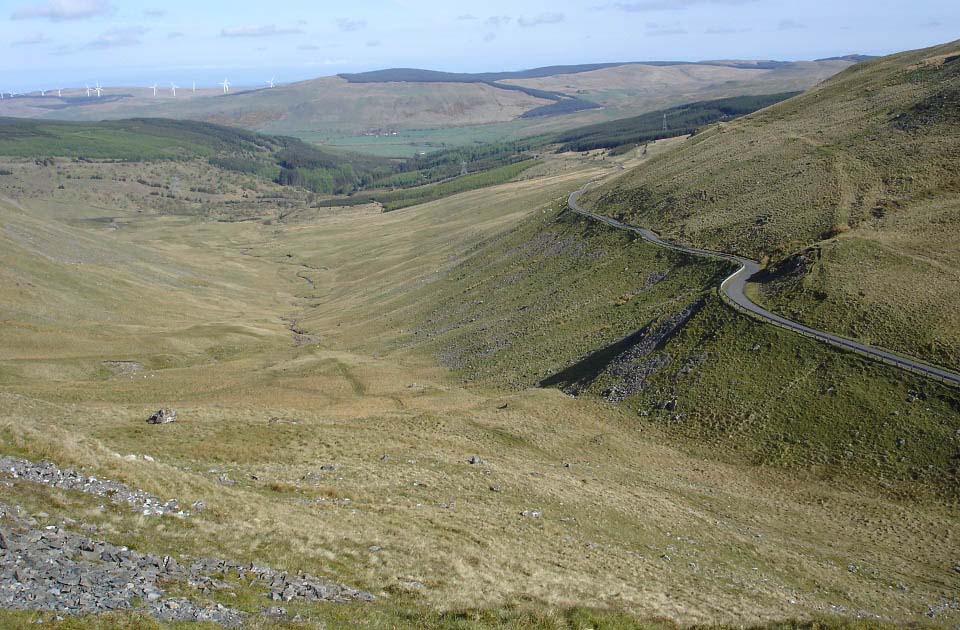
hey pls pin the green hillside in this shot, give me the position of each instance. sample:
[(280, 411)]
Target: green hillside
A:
[(288, 161), (129, 140), (851, 190), (666, 123)]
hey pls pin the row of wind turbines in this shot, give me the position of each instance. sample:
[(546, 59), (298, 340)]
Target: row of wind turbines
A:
[(98, 89), (59, 91)]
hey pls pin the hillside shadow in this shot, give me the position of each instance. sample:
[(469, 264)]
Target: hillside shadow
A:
[(581, 374)]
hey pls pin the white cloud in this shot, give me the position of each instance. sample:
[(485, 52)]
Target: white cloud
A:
[(543, 18), (666, 32), (724, 30), (789, 25), (267, 30), (61, 10), (666, 5), (31, 40), (347, 25), (117, 37)]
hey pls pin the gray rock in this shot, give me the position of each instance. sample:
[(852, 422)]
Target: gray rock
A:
[(475, 460), (163, 416), (275, 612)]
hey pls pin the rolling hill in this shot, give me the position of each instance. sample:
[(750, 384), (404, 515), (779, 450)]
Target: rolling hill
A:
[(404, 111), (851, 190)]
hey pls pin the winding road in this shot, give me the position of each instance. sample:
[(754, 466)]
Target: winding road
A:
[(732, 291)]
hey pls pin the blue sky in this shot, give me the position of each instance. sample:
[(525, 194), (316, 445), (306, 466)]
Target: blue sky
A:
[(48, 43)]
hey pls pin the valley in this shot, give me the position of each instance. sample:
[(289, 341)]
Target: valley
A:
[(199, 307), (451, 391)]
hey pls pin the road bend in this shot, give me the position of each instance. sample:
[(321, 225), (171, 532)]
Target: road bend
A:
[(733, 291)]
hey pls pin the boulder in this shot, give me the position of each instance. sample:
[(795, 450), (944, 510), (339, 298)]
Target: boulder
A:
[(163, 416)]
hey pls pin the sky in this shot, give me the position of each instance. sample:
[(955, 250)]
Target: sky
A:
[(65, 43)]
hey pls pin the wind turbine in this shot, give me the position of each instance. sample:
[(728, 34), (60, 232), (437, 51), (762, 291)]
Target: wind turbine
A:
[(226, 85), (173, 88), (194, 86), (59, 92), (88, 91), (270, 81), (43, 93), (98, 89), (154, 87)]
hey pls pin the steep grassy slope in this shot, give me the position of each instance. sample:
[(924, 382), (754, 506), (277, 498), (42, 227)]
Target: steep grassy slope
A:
[(561, 302), (864, 170)]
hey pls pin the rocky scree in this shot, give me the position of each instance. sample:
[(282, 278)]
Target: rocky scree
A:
[(56, 569), (49, 474)]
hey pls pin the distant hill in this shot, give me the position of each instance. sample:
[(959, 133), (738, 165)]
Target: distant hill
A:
[(853, 58), (405, 111), (852, 190), (415, 75)]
